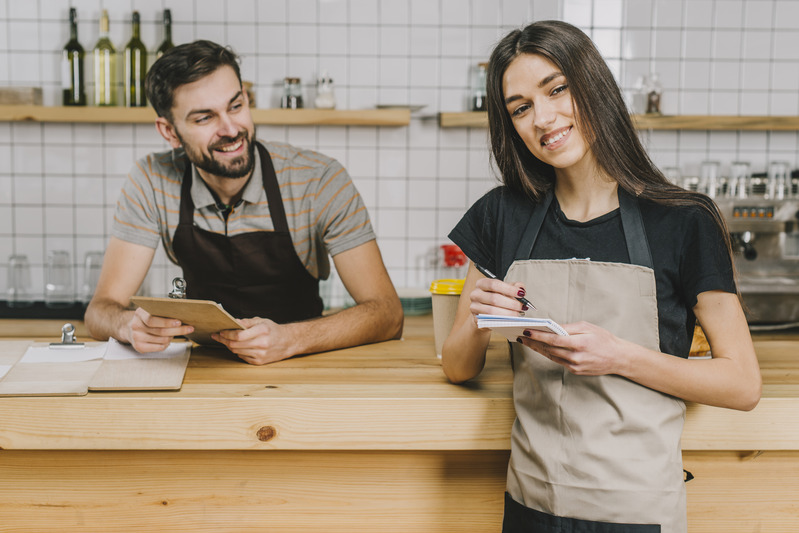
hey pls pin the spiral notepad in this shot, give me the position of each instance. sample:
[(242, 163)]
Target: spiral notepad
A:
[(514, 326)]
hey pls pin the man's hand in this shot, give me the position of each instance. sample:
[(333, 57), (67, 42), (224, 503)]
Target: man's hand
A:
[(147, 333), (262, 341)]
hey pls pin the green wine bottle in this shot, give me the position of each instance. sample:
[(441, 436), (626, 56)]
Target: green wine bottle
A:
[(166, 44), (72, 65), (105, 66), (135, 68)]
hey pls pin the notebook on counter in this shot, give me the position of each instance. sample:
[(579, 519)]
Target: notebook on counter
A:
[(513, 327), (40, 369)]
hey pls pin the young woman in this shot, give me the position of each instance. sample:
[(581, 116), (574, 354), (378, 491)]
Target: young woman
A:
[(590, 231)]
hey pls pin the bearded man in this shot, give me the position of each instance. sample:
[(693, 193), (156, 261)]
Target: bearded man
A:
[(251, 224)]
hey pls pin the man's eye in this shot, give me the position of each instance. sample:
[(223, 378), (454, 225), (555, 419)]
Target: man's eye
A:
[(202, 119)]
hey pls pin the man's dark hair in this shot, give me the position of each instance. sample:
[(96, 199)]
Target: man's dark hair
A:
[(184, 64)]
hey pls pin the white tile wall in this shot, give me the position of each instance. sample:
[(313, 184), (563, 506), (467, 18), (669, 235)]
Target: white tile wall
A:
[(59, 182)]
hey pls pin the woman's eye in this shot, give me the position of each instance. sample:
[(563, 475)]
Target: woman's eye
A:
[(519, 110), (559, 89)]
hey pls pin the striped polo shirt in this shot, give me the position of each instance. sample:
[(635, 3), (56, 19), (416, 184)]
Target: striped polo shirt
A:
[(325, 213)]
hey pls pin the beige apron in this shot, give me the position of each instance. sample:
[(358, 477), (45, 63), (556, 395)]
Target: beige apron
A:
[(595, 448)]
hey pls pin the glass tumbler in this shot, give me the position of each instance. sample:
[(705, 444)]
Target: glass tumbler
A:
[(777, 181), (92, 264), (739, 180), (673, 175), (709, 180), (19, 282), (58, 286)]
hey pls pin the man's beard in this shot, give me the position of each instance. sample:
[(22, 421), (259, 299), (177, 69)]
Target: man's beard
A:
[(236, 168)]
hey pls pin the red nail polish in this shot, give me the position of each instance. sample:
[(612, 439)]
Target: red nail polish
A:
[(526, 333), (521, 293), (525, 308)]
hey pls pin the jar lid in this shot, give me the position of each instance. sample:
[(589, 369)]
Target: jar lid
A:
[(447, 286)]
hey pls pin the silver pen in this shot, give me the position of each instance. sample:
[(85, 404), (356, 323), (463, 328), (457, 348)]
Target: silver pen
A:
[(487, 273)]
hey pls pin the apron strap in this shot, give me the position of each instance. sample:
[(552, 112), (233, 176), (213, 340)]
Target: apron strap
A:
[(633, 226), (186, 203), (530, 234), (273, 196), (631, 221)]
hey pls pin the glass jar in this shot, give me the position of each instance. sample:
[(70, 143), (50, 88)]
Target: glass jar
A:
[(292, 94), (325, 99), (479, 87)]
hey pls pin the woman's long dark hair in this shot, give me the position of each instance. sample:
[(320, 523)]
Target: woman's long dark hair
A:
[(600, 112)]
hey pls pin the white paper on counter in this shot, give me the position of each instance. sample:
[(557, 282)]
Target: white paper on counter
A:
[(4, 370), (117, 351), (46, 354)]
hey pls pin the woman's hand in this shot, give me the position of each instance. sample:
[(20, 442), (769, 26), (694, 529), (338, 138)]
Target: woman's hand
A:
[(496, 297), (588, 350)]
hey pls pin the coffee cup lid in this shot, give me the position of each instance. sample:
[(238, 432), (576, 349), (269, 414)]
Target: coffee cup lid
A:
[(446, 286)]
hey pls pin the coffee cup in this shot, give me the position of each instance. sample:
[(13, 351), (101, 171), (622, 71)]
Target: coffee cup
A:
[(445, 294)]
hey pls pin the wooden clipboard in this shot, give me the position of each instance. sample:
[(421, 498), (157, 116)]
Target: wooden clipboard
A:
[(206, 316)]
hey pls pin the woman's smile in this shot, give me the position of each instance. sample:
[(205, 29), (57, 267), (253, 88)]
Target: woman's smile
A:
[(556, 139)]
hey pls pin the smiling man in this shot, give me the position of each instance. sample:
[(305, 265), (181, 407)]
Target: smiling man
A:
[(250, 223)]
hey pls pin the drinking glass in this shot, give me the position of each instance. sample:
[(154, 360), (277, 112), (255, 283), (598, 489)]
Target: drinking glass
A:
[(777, 184), (58, 286), (92, 264), (709, 180), (673, 175), (739, 179), (19, 281)]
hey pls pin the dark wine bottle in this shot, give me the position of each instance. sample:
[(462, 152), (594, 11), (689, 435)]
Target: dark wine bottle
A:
[(166, 44), (135, 68), (72, 65)]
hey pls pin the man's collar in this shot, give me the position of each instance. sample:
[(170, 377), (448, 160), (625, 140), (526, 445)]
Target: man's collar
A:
[(201, 193)]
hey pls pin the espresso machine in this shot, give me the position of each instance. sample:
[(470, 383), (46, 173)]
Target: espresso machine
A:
[(763, 220)]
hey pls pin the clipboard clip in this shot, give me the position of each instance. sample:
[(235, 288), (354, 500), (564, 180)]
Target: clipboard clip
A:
[(178, 288), (68, 339)]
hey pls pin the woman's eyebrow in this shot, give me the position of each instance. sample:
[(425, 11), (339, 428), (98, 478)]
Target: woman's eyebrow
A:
[(549, 78), (541, 84)]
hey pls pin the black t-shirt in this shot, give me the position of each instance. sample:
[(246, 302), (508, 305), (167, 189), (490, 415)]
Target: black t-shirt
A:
[(688, 250)]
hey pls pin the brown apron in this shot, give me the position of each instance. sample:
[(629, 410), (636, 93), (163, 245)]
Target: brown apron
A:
[(252, 274), (593, 453)]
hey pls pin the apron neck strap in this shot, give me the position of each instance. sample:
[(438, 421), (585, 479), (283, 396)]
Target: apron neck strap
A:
[(530, 234), (633, 226), (273, 196), (631, 221)]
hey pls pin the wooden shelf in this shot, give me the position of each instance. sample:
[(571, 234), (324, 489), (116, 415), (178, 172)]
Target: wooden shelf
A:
[(146, 115), (479, 119), (467, 119)]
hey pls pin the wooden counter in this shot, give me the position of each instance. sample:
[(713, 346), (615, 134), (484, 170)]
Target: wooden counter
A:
[(364, 439)]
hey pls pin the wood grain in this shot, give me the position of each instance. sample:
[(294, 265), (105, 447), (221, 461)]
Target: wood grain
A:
[(371, 438), (252, 491)]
